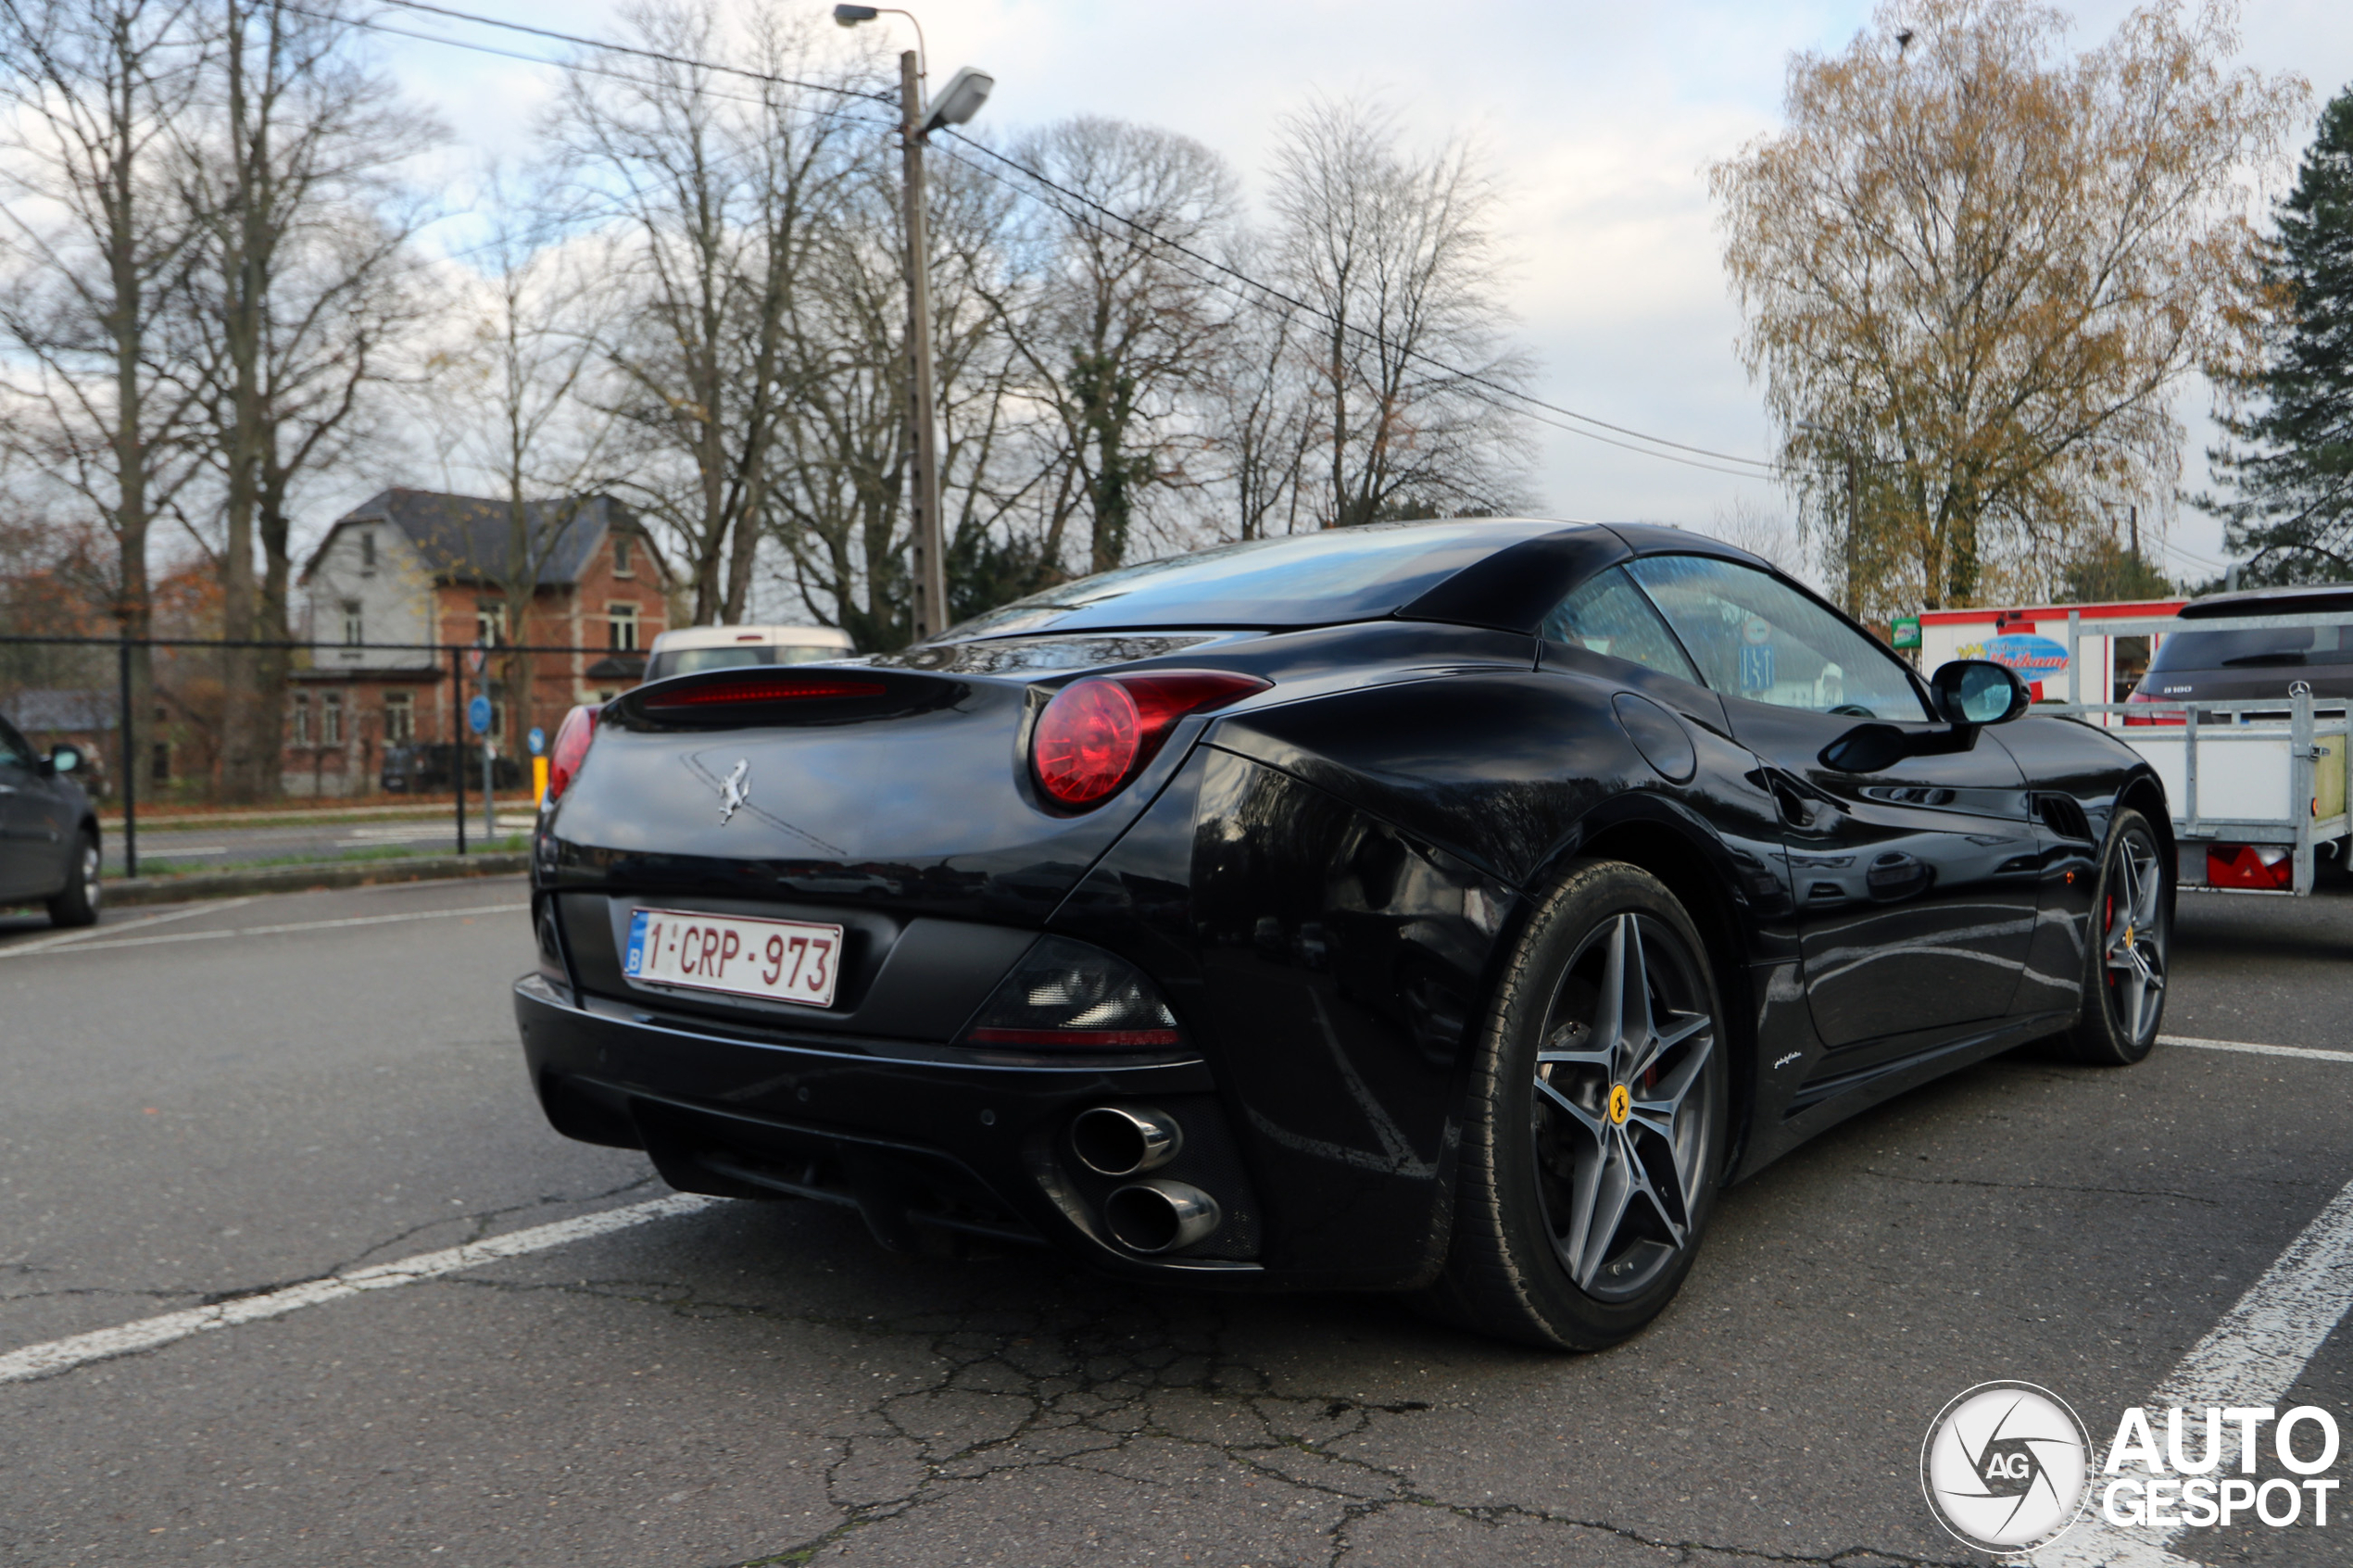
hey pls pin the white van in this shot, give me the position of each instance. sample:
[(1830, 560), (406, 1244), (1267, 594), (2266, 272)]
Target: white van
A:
[(718, 648)]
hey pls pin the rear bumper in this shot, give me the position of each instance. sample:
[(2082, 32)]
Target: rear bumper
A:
[(925, 1146)]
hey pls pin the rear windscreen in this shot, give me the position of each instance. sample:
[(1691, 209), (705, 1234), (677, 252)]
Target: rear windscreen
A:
[(1299, 580), (2282, 647), (686, 661)]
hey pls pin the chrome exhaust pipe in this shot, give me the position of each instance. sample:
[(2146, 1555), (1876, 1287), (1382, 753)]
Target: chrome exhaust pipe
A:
[(1160, 1215), (1125, 1140)]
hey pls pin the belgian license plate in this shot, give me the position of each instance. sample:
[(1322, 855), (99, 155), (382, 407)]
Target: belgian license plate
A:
[(783, 961)]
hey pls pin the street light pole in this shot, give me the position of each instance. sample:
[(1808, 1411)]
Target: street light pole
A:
[(917, 119), (930, 536)]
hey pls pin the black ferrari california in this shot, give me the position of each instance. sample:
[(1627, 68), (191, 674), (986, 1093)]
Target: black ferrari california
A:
[(1445, 907)]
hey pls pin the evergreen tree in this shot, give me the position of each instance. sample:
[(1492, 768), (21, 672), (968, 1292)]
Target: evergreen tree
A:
[(2293, 467)]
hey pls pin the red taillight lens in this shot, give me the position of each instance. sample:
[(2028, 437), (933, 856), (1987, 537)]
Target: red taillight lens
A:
[(1097, 734), (770, 690), (1087, 739), (571, 748), (2261, 867), (2140, 696)]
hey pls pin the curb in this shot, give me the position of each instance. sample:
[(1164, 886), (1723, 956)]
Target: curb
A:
[(132, 890)]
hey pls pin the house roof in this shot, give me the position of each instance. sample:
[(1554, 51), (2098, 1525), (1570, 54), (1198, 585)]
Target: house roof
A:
[(40, 710), (470, 538)]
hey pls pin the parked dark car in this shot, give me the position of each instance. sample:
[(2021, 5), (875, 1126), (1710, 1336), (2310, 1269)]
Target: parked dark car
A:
[(421, 767), (49, 833), (1448, 907), (2249, 666)]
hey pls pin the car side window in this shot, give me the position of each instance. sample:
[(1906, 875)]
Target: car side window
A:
[(1757, 638), (14, 752), (1608, 615)]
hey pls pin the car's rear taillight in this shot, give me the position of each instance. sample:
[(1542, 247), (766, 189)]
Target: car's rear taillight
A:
[(571, 748), (1067, 996), (1098, 733), (2139, 695)]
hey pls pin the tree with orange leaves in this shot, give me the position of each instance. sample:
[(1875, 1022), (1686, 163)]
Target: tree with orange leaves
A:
[(1975, 267)]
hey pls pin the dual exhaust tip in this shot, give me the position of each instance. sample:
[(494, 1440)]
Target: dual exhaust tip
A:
[(1156, 1214)]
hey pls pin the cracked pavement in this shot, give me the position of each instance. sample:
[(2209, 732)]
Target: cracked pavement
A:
[(759, 1384)]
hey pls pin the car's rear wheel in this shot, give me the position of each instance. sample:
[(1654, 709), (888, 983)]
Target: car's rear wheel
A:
[(2130, 939), (78, 904), (1595, 1138)]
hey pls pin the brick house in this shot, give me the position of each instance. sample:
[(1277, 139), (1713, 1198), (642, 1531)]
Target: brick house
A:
[(426, 573)]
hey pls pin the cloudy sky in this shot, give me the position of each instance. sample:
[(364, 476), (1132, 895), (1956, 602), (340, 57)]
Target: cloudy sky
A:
[(1599, 120)]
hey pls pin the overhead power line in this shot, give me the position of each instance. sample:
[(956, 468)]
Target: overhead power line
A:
[(1582, 424)]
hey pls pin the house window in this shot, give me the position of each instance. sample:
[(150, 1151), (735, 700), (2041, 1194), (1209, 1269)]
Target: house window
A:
[(620, 555), (490, 622), (331, 721), (498, 720), (161, 773), (367, 550), (302, 719), (354, 628), (622, 632), (400, 717)]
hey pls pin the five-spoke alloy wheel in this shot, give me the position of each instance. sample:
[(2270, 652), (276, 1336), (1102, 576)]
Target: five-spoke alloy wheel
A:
[(1595, 1138), (1622, 1106), (2127, 935)]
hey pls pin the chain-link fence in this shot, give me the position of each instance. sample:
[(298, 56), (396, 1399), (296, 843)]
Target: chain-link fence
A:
[(202, 753)]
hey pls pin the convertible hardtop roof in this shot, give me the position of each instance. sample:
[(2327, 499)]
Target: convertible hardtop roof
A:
[(1503, 573)]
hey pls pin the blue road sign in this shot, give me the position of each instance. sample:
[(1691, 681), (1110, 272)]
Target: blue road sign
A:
[(478, 715), (1756, 668), (537, 740)]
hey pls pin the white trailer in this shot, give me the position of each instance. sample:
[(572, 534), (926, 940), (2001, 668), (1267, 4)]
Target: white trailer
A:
[(2267, 779)]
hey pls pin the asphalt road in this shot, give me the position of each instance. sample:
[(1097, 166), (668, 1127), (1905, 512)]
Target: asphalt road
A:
[(193, 1121)]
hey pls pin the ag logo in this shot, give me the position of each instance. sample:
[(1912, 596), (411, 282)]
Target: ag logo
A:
[(2006, 1465)]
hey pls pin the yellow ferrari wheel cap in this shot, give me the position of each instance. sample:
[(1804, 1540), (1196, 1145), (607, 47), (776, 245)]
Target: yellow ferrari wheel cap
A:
[(1621, 1101)]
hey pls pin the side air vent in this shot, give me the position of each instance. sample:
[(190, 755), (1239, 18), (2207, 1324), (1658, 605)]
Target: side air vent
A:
[(2064, 817)]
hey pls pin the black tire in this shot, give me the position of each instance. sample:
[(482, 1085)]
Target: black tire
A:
[(1540, 1168), (2128, 941), (78, 905)]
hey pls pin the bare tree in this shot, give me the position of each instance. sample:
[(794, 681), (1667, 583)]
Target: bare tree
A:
[(837, 510), (519, 395), (1392, 252), (1258, 408), (721, 185), (1120, 323), (1975, 265), (93, 241), (290, 168)]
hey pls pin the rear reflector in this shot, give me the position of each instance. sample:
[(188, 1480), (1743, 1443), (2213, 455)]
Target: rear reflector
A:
[(722, 693), (2263, 867), (1067, 996)]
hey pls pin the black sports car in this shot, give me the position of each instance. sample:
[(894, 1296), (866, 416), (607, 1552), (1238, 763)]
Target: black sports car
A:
[(1448, 907)]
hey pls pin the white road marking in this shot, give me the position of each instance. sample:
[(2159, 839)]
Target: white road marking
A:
[(273, 929), (90, 932), (2304, 1051), (148, 1334), (2252, 1357)]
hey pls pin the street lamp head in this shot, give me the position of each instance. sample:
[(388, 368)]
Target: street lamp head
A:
[(966, 92), (850, 16)]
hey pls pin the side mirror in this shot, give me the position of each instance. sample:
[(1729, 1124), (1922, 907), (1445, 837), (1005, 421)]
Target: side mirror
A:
[(1978, 691), (64, 758)]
